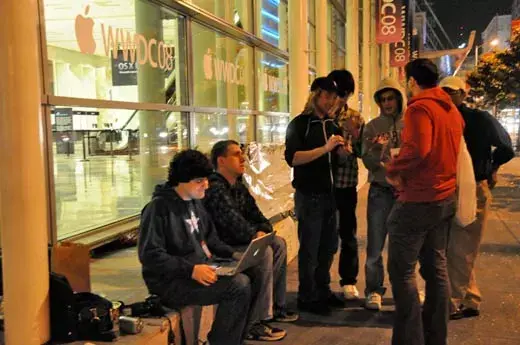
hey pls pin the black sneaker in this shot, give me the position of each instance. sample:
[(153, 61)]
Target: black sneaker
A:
[(463, 312), (263, 332), (470, 312), (335, 302), (284, 315), (457, 315), (314, 307)]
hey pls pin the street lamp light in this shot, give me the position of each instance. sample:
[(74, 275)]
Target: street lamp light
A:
[(493, 44)]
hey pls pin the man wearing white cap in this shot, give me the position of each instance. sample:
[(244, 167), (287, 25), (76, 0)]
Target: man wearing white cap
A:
[(482, 132)]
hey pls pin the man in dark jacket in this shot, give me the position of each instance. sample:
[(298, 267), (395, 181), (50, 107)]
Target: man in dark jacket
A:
[(177, 245), (238, 221), (311, 146), (482, 132)]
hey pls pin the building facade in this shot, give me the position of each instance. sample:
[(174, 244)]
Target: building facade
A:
[(516, 9), (96, 98), (129, 83), (498, 29)]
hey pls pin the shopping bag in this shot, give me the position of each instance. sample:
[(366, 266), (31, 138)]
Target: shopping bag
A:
[(466, 188), (73, 261)]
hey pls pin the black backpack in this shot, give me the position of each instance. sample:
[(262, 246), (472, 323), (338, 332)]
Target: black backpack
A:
[(63, 314), (78, 316)]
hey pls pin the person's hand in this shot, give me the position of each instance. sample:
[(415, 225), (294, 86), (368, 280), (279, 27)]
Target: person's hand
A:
[(333, 142), (259, 234), (396, 182), (237, 256), (381, 139), (348, 148), (493, 179), (204, 274)]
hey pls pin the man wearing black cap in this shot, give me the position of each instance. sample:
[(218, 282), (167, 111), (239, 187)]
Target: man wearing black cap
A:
[(312, 143), (177, 244)]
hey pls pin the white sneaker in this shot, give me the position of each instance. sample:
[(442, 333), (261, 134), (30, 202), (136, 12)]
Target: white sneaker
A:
[(373, 301), (350, 292)]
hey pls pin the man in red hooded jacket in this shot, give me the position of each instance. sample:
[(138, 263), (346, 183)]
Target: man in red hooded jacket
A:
[(424, 173)]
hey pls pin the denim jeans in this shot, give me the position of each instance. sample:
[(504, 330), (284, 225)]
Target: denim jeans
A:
[(318, 239), (419, 232), (346, 202), (270, 275), (233, 296), (381, 200)]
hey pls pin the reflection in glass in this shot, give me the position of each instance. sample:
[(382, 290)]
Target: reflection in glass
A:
[(336, 36), (101, 173), (273, 22), (223, 70), (211, 128), (272, 83), (95, 51), (236, 12), (271, 129)]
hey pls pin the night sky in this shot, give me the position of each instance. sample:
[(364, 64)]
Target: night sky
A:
[(469, 14)]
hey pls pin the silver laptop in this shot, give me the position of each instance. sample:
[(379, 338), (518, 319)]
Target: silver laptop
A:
[(253, 254)]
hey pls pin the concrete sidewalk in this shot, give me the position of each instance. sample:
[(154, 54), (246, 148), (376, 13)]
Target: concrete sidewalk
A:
[(498, 272)]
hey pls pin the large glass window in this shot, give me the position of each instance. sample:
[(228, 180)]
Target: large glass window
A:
[(272, 83), (213, 127), (222, 70), (236, 12), (311, 32), (105, 172), (336, 34), (127, 50), (271, 129), (272, 19)]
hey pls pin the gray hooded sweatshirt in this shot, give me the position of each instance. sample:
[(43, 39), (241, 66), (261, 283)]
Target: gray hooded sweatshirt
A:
[(390, 126)]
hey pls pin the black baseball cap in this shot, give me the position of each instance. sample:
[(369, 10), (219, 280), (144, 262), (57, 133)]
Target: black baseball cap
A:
[(325, 84)]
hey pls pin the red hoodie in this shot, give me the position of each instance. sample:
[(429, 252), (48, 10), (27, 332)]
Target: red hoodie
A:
[(427, 161)]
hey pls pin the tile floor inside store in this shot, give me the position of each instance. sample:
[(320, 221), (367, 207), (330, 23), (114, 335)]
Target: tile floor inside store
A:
[(98, 191)]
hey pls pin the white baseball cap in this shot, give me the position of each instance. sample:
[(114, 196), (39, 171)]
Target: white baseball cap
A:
[(454, 83)]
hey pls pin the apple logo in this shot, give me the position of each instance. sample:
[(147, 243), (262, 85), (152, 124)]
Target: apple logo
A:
[(84, 33), (208, 65)]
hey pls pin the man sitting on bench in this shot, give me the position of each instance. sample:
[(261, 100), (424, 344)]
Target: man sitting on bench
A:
[(177, 243), (238, 221)]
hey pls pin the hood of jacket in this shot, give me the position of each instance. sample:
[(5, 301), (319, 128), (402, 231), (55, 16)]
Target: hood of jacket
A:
[(166, 191), (436, 95), (391, 84)]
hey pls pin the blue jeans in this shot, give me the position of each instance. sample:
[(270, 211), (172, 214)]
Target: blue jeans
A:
[(234, 296), (271, 277), (381, 199), (419, 232), (318, 238)]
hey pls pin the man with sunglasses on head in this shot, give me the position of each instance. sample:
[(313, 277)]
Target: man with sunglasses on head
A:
[(381, 139), (482, 133), (346, 180), (311, 148)]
